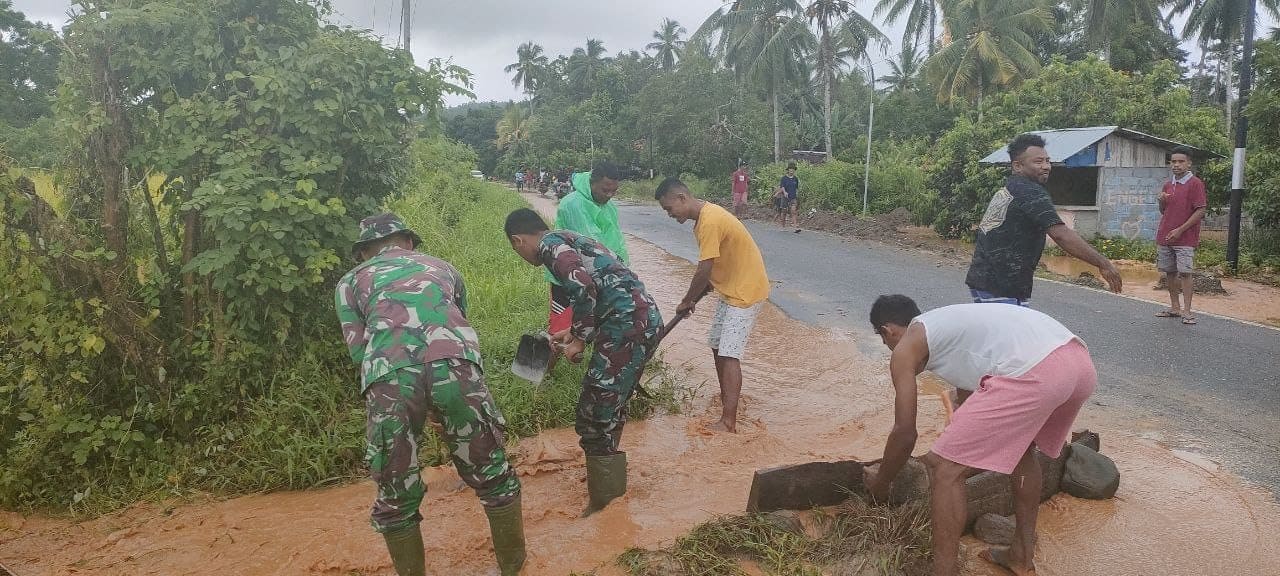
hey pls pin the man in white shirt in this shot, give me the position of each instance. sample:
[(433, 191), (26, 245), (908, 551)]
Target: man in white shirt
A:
[(1022, 377)]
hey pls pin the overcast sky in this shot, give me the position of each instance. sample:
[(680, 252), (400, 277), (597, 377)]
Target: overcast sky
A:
[(482, 35)]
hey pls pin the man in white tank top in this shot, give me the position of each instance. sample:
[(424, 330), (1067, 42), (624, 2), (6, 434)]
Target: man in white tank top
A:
[(1022, 378)]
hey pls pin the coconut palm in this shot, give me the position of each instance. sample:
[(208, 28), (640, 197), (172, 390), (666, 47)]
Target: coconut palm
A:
[(667, 45), (512, 131), (528, 67), (905, 70), (922, 17), (763, 42), (991, 46), (1106, 20), (584, 64), (1218, 20), (839, 27)]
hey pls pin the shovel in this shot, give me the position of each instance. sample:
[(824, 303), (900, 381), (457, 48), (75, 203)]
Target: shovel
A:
[(533, 354)]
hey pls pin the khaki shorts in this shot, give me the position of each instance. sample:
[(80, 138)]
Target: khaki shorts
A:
[(730, 328), (1179, 259)]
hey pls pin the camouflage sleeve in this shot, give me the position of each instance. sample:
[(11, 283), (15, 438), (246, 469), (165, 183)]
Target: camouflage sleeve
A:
[(460, 292), (566, 265), (350, 318)]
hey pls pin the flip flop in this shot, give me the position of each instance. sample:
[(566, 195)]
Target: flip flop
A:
[(1188, 319), (1168, 314)]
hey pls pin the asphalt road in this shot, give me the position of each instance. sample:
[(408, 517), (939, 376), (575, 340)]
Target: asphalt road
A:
[(1212, 388)]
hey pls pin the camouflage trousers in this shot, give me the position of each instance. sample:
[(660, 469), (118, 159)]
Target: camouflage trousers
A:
[(616, 366), (452, 394)]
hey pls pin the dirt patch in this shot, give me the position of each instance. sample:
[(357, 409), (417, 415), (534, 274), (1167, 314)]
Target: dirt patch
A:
[(820, 400)]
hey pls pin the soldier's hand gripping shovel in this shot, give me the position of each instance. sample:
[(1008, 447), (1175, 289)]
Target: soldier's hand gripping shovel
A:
[(533, 354)]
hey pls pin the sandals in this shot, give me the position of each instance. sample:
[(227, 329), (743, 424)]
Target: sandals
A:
[(1188, 319), (1168, 314)]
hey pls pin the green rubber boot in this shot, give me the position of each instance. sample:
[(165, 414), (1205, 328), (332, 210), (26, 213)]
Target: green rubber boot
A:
[(407, 555), (606, 480), (506, 525)]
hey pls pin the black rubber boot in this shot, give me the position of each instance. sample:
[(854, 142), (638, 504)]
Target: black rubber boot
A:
[(506, 525), (407, 555), (606, 480)]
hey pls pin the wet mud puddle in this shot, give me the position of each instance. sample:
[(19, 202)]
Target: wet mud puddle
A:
[(808, 394)]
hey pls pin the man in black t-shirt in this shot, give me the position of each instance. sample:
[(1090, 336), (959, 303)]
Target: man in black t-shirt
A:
[(1011, 234)]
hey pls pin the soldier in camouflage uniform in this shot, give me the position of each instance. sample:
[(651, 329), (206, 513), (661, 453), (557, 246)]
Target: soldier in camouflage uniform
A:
[(610, 309), (403, 316)]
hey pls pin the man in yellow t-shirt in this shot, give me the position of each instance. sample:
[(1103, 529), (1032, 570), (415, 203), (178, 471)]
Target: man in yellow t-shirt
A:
[(729, 262)]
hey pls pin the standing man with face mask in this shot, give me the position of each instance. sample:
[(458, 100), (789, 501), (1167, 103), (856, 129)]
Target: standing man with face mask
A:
[(1011, 234)]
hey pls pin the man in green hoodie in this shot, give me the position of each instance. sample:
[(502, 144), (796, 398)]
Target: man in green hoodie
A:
[(587, 210)]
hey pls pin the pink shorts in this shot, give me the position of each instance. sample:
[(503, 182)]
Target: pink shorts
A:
[(739, 198), (1005, 415)]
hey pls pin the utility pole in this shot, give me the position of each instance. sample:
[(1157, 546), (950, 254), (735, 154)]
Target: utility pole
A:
[(871, 121), (1242, 132), (406, 22)]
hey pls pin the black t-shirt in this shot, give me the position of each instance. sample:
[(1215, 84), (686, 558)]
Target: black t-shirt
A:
[(1011, 239)]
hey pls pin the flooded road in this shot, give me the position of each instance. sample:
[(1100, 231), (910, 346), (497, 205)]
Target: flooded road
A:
[(809, 393)]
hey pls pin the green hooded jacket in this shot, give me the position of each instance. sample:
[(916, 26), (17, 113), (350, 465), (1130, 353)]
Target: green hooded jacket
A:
[(578, 212)]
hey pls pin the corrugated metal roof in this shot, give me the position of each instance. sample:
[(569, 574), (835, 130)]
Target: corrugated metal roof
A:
[(1065, 143)]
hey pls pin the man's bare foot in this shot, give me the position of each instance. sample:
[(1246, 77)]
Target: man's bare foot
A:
[(720, 426), (1000, 556)]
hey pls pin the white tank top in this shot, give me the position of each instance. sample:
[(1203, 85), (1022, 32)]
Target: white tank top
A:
[(968, 342)]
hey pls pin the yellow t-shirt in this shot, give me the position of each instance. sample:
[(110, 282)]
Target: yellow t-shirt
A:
[(738, 271)]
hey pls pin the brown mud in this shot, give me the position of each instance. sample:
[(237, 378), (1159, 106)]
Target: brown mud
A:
[(808, 394)]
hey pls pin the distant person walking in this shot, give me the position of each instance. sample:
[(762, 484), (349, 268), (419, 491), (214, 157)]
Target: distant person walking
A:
[(404, 319), (730, 263), (741, 188), (1182, 205), (520, 176), (790, 186), (1011, 234)]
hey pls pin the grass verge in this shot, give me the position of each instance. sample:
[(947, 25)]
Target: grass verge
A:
[(852, 538)]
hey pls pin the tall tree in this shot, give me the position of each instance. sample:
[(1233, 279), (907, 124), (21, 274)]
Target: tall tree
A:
[(763, 42), (991, 46), (1221, 20), (584, 64), (512, 131), (905, 71), (29, 55), (668, 47), (922, 17), (528, 67), (1108, 21), (839, 27)]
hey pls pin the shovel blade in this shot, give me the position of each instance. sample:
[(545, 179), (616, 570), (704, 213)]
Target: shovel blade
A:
[(804, 486), (533, 355)]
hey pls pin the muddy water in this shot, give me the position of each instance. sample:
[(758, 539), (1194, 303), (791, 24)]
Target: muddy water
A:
[(1134, 273), (808, 394)]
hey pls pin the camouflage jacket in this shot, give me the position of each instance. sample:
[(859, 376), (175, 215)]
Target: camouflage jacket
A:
[(404, 308), (608, 300)]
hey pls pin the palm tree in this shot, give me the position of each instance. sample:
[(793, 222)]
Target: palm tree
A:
[(584, 64), (1105, 20), (528, 67), (906, 70), (512, 130), (991, 46), (1218, 20), (839, 26), (668, 46), (922, 16), (762, 41)]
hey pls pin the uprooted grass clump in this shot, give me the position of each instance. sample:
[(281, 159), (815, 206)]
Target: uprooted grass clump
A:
[(854, 538)]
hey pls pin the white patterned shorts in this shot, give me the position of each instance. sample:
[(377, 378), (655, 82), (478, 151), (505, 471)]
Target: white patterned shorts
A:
[(730, 328)]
